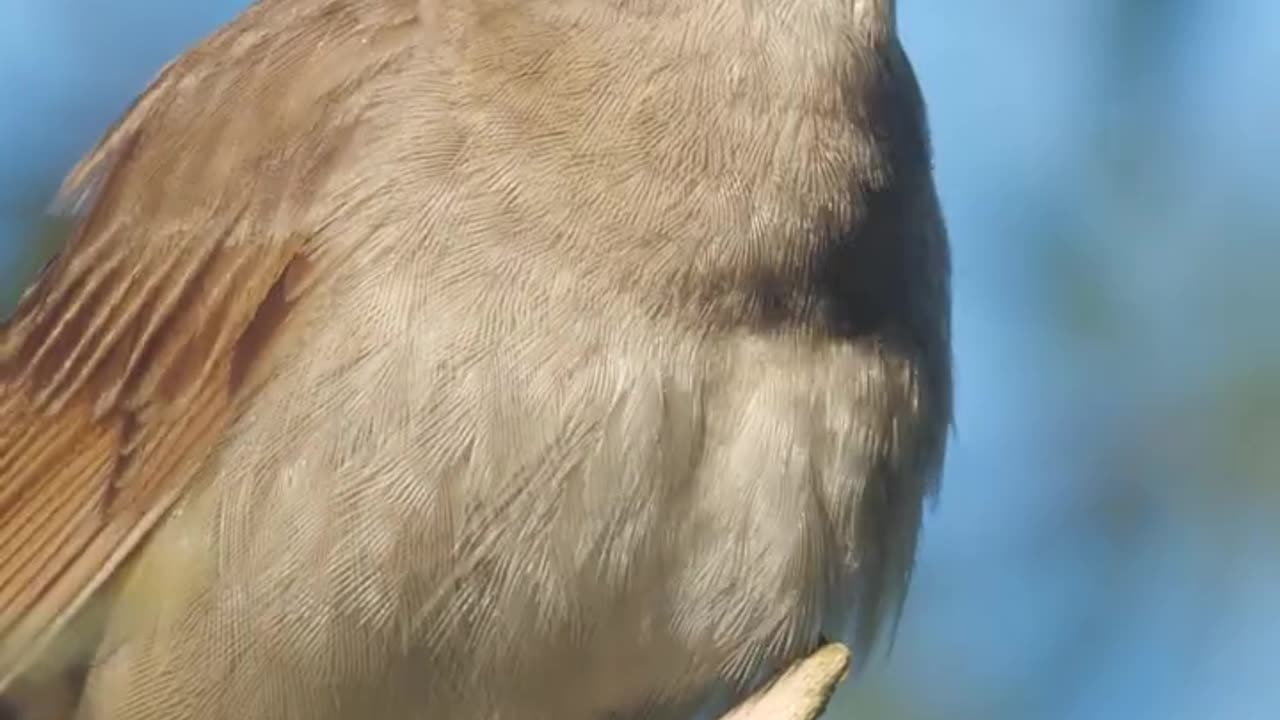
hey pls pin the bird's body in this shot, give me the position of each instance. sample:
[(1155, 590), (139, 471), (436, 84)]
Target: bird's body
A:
[(564, 359)]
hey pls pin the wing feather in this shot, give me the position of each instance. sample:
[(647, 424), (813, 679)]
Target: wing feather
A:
[(136, 347)]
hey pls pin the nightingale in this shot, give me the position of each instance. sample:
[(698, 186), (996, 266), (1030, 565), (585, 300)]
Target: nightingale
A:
[(547, 359)]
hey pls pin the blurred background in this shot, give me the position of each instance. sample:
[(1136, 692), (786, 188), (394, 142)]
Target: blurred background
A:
[(1107, 544)]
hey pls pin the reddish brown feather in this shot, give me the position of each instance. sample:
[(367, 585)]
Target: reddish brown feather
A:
[(135, 348), (116, 379), (90, 458)]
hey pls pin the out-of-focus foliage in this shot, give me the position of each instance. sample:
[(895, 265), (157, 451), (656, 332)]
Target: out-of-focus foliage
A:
[(1108, 536)]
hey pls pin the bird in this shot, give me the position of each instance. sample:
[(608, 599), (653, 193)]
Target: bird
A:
[(573, 359)]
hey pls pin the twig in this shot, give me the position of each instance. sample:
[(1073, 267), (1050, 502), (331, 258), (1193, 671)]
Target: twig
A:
[(800, 693)]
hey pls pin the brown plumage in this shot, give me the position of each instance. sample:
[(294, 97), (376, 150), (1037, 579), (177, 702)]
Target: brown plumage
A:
[(568, 359)]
